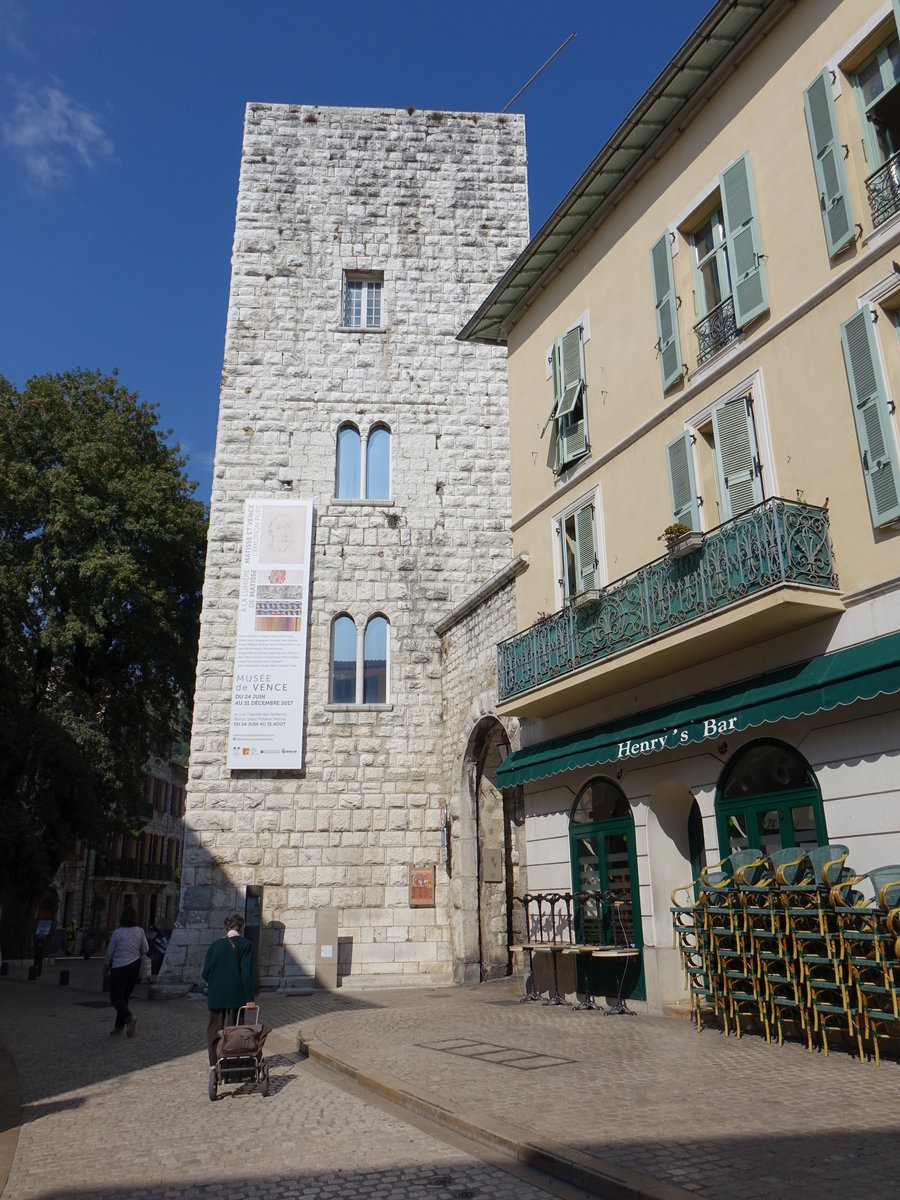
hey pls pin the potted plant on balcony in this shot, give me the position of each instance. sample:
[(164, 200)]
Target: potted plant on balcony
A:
[(681, 539)]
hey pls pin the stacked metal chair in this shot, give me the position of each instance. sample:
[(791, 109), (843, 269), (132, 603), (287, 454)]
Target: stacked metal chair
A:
[(692, 941), (792, 938), (711, 934), (830, 1000), (868, 928), (773, 943)]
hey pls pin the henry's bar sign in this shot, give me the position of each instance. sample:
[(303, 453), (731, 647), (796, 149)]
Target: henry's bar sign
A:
[(712, 727)]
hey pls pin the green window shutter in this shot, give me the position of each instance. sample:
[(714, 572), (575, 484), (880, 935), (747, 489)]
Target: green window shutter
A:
[(737, 457), (556, 364), (664, 302), (586, 544), (896, 4), (571, 433), (831, 179), (873, 419), (748, 276), (572, 357), (682, 484)]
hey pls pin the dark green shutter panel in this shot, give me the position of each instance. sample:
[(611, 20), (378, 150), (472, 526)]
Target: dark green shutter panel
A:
[(682, 485), (873, 420), (572, 356), (587, 548), (831, 179), (670, 364), (571, 433), (737, 457), (748, 276), (556, 365)]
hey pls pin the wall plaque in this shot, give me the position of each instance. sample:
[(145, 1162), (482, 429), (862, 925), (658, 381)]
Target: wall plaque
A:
[(421, 887)]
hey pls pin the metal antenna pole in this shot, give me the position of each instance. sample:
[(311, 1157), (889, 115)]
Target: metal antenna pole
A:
[(537, 72)]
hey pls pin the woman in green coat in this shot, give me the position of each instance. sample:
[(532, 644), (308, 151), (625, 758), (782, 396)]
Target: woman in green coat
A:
[(228, 971)]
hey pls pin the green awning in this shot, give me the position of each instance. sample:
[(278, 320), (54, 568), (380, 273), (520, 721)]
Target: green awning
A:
[(829, 681)]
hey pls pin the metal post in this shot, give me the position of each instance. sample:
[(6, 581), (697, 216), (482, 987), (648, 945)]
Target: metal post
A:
[(253, 904)]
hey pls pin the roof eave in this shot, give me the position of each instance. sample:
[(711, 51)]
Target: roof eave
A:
[(642, 135)]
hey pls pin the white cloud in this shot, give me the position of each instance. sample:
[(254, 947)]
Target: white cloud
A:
[(11, 21), (48, 129)]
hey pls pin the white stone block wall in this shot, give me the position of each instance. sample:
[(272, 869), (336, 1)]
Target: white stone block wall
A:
[(438, 203)]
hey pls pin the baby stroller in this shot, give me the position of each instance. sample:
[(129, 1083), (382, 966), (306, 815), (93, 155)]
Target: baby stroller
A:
[(239, 1054)]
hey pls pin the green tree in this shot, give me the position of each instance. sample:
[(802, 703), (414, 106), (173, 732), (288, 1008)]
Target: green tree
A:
[(101, 566)]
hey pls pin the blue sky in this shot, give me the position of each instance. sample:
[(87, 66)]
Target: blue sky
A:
[(120, 137)]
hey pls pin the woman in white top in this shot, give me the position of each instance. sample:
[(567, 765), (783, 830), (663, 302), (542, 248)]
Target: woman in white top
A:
[(122, 963)]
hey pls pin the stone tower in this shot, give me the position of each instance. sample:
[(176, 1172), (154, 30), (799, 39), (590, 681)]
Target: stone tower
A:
[(364, 239)]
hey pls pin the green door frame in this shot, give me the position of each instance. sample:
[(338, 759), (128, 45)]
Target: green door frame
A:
[(600, 831)]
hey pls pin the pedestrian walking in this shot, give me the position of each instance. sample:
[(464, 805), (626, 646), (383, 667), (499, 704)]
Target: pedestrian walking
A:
[(228, 971), (122, 963)]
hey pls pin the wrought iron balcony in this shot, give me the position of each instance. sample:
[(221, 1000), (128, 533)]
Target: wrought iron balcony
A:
[(130, 868), (883, 190), (716, 330), (776, 543)]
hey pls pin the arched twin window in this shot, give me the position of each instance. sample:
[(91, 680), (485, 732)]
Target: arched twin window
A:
[(363, 472), (359, 661)]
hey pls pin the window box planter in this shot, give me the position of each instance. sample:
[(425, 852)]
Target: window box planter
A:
[(686, 543), (588, 596)]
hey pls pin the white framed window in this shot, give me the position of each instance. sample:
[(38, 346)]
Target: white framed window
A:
[(363, 293), (728, 265), (359, 661), (712, 276), (576, 533), (722, 453)]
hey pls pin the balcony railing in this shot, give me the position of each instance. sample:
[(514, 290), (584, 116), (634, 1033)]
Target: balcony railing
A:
[(776, 543), (716, 330), (130, 868), (883, 190)]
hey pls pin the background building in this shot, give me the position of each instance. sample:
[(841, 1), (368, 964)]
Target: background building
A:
[(363, 240), (705, 335), (141, 869)]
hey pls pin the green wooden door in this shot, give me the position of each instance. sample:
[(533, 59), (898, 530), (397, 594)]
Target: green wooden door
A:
[(603, 859)]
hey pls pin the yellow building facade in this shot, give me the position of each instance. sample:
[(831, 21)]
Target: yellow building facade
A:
[(704, 360)]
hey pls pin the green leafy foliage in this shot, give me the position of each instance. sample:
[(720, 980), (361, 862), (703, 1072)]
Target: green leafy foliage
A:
[(101, 567), (672, 533)]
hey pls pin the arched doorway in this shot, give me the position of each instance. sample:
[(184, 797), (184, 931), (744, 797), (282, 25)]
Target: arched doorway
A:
[(603, 859), (484, 856), (768, 797)]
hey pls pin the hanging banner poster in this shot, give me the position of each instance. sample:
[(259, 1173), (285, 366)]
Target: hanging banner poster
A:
[(270, 651)]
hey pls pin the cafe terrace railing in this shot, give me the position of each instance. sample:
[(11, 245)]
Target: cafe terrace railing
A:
[(775, 543)]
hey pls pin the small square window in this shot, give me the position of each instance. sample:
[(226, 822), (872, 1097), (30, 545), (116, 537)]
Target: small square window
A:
[(362, 301)]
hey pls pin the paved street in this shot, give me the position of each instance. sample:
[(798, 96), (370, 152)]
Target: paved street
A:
[(112, 1117), (632, 1106)]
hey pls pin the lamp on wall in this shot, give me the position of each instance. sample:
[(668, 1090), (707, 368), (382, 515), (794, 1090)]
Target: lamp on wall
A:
[(723, 748)]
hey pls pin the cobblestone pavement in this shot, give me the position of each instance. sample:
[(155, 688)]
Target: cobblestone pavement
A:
[(649, 1106), (649, 1101), (116, 1117)]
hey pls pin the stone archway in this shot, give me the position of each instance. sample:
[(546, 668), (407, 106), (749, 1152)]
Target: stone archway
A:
[(487, 835)]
